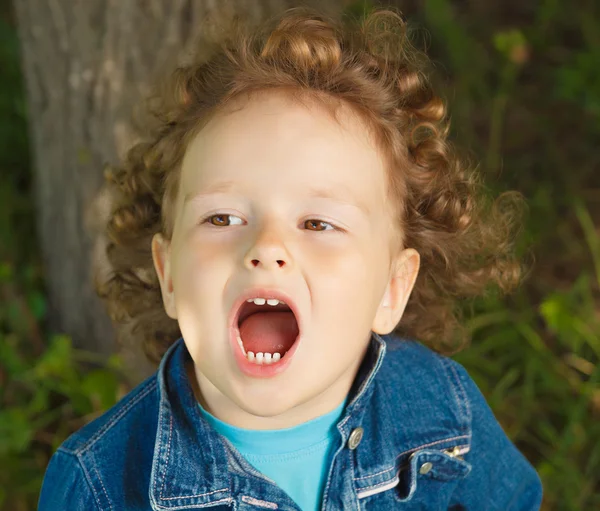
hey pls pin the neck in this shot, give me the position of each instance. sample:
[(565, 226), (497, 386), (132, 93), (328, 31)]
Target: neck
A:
[(226, 410)]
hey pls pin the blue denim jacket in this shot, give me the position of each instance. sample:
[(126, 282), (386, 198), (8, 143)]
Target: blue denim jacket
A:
[(416, 434)]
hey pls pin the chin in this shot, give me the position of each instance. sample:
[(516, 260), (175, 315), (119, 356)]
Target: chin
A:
[(272, 408)]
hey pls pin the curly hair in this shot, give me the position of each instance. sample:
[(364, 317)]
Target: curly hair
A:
[(465, 237)]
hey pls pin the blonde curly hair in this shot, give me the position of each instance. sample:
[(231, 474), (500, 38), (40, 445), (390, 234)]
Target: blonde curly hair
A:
[(465, 238)]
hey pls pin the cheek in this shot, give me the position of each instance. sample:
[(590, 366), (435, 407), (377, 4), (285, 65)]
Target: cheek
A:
[(346, 282), (343, 261), (201, 267)]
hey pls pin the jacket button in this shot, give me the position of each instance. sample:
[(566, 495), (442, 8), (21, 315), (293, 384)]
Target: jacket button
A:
[(355, 438), (425, 468)]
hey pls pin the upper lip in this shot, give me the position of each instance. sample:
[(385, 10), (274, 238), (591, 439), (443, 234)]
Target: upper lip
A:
[(263, 292)]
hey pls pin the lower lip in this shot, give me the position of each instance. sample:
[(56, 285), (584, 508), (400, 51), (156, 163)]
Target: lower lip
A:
[(260, 371)]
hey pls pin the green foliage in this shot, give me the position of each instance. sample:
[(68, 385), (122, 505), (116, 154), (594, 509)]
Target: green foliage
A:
[(43, 398), (540, 370), (579, 81)]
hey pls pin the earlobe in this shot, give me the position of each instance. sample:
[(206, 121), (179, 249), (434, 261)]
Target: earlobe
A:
[(162, 266), (397, 292)]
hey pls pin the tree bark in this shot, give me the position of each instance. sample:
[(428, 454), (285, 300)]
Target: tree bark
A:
[(86, 63)]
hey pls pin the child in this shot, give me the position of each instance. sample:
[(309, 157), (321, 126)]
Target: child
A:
[(297, 189)]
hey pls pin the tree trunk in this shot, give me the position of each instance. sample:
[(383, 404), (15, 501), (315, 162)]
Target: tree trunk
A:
[(86, 63)]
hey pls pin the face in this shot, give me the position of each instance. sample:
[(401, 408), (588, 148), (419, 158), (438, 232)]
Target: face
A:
[(278, 200)]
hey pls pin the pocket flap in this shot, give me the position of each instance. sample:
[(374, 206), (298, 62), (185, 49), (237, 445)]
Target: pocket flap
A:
[(438, 465)]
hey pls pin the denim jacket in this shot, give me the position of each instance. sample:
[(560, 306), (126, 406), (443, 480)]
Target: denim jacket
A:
[(416, 434)]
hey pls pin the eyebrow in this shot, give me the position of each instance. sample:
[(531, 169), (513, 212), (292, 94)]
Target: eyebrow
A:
[(219, 187), (342, 195), (339, 194)]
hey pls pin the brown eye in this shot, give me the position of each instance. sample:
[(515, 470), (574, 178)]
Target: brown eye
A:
[(222, 220), (219, 220), (317, 225)]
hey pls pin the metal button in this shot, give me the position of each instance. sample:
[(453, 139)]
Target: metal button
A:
[(425, 468), (355, 438)]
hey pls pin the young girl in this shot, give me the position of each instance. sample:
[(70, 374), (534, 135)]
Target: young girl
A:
[(289, 242)]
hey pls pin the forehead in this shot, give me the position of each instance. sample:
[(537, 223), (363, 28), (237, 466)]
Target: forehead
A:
[(272, 139)]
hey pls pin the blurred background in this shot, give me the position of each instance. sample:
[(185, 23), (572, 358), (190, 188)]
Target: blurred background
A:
[(523, 81)]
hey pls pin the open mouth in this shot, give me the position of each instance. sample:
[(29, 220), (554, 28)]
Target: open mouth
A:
[(267, 329)]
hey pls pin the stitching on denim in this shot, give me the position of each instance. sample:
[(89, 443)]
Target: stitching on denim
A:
[(373, 373), (89, 481), (197, 495), (432, 443), (117, 417), (103, 488), (257, 502), (353, 471), (346, 419), (392, 483), (445, 363), (164, 474), (229, 500), (409, 450), (374, 475), (380, 484), (162, 487), (466, 397)]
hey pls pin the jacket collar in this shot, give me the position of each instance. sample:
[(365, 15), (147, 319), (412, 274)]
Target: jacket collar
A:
[(187, 467)]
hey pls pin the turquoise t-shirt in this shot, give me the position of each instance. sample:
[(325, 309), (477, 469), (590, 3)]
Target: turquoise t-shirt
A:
[(297, 459)]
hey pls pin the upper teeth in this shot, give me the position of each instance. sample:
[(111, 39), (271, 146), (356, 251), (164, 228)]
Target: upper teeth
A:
[(262, 301)]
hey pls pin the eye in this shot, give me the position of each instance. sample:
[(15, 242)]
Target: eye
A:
[(223, 220), (318, 225)]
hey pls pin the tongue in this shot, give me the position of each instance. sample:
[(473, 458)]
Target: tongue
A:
[(269, 332)]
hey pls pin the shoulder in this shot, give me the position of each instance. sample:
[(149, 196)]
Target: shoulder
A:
[(139, 405), (426, 376), (66, 483), (94, 466), (410, 351)]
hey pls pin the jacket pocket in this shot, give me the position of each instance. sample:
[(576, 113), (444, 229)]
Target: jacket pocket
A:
[(425, 480)]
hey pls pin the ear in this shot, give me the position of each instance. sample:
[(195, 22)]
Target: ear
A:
[(402, 280), (161, 250)]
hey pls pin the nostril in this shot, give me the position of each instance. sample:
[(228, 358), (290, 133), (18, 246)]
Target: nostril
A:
[(256, 262)]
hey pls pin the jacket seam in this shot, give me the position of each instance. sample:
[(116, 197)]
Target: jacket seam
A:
[(162, 486), (227, 500), (166, 463), (118, 416), (89, 481), (103, 487), (457, 388), (433, 443), (207, 494), (377, 485), (464, 392)]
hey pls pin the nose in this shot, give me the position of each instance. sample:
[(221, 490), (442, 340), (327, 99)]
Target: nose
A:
[(268, 251)]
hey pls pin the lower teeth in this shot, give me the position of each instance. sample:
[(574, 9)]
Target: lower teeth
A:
[(263, 358), (259, 358)]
